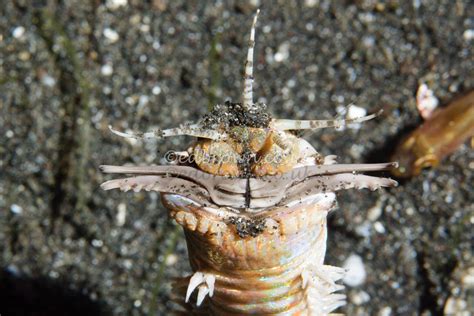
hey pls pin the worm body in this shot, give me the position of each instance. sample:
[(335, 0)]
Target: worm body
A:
[(252, 199), (262, 274)]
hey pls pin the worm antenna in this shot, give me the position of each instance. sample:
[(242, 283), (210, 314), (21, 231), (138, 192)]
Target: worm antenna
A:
[(282, 124), (248, 77), (184, 130)]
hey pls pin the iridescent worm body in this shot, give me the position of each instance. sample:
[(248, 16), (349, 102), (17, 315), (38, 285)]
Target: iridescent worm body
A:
[(253, 203)]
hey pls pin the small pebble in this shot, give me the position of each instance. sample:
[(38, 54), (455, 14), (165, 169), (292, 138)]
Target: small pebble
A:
[(468, 35), (351, 112), (48, 81), (363, 230), (379, 228), (356, 274), (156, 45), (283, 52), (410, 211), (115, 4), (97, 243), (386, 311), (468, 278), (426, 102), (16, 209), (121, 214), (456, 306), (156, 90), (107, 70), (374, 212), (13, 270), (355, 111), (24, 55), (111, 35), (171, 260), (128, 264), (18, 31), (143, 100), (360, 298), (311, 3)]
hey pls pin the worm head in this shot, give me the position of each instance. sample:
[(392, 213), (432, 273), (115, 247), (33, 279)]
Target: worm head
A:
[(245, 159), (251, 148)]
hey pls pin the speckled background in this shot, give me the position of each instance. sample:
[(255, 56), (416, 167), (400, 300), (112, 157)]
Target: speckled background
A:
[(70, 68)]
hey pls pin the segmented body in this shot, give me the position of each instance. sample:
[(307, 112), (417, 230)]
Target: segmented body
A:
[(253, 204), (262, 274)]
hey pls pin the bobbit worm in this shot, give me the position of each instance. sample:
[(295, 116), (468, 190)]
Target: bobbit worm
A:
[(252, 199)]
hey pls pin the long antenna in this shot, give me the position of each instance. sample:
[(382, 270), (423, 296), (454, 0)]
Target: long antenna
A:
[(248, 77)]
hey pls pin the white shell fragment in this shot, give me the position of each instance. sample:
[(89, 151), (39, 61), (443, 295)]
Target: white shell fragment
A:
[(354, 112), (16, 209), (426, 102), (355, 275), (18, 31), (468, 35), (111, 35), (121, 214), (115, 4), (107, 69)]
